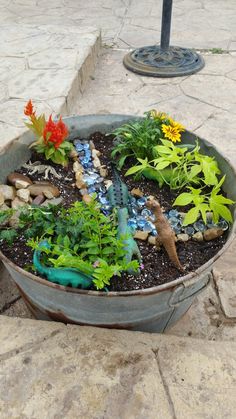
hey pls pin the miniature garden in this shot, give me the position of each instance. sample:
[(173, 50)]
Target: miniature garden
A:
[(126, 210)]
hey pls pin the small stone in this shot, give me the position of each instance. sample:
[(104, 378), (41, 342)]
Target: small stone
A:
[(213, 233), (38, 200), (77, 167), (141, 235), (198, 236), (96, 163), (137, 192), (1, 199), (96, 153), (183, 237), (141, 202), (152, 240), (44, 188), (108, 183), (91, 145), (103, 171), (87, 198), (17, 203), (23, 194), (19, 179), (8, 192)]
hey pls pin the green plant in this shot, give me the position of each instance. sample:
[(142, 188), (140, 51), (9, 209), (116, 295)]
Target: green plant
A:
[(50, 136), (203, 202), (139, 138), (80, 237)]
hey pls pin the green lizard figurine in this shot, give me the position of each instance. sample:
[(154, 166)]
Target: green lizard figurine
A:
[(62, 276), (118, 196)]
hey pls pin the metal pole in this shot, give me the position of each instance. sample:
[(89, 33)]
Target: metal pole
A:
[(166, 24)]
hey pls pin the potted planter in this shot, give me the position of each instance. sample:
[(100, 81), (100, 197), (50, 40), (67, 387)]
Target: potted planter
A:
[(152, 309)]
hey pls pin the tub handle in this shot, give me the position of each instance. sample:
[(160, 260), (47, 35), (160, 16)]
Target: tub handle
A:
[(176, 299)]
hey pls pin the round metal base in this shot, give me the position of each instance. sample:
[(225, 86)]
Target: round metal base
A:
[(155, 62)]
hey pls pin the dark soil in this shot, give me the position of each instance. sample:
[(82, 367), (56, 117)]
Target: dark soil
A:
[(157, 267)]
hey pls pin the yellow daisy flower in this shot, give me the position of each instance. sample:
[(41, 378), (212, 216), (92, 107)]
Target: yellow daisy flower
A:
[(176, 125), (172, 133), (158, 115)]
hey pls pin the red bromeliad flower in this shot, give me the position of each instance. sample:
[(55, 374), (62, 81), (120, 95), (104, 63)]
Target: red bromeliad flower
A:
[(55, 132), (29, 109)]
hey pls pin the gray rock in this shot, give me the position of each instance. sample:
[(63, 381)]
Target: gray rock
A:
[(54, 201), (8, 192), (17, 203)]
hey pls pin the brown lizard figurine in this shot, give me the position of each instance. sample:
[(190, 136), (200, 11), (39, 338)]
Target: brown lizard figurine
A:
[(166, 235)]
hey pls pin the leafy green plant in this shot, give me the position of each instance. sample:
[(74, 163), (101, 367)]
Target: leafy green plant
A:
[(139, 138), (203, 202), (80, 237)]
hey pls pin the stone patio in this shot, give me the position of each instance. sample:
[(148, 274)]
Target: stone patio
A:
[(48, 53)]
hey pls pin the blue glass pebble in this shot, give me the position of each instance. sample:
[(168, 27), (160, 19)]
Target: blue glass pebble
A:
[(141, 222), (86, 146), (148, 227), (146, 212), (223, 224), (133, 211), (173, 213), (154, 232), (177, 229), (103, 200), (200, 226), (189, 230), (141, 202), (91, 189), (132, 223), (173, 221), (79, 147)]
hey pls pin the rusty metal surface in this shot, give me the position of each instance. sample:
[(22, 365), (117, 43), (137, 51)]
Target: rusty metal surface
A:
[(151, 309)]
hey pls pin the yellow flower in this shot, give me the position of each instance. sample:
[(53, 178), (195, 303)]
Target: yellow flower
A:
[(172, 133), (176, 125), (158, 115)]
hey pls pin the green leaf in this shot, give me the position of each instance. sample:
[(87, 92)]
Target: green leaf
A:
[(162, 165), (8, 235), (191, 216), (134, 169), (183, 199)]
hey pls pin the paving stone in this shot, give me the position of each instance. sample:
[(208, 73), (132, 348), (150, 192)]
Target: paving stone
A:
[(226, 286), (124, 375)]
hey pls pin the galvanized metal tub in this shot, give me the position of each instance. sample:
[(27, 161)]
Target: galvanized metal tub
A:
[(151, 310)]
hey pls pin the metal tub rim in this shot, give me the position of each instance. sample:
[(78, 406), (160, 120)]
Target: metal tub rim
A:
[(189, 278)]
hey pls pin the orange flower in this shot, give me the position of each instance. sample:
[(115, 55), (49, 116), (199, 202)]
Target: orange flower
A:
[(29, 109), (55, 132)]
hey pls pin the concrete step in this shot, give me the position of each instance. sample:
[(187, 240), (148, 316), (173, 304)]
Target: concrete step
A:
[(49, 370)]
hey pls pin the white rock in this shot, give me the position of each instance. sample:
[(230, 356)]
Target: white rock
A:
[(96, 162), (77, 167), (152, 240), (103, 171), (183, 237), (108, 183), (21, 184), (96, 153), (8, 192), (198, 236), (23, 194)]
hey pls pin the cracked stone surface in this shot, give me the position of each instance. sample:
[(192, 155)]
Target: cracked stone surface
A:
[(42, 63), (56, 371)]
